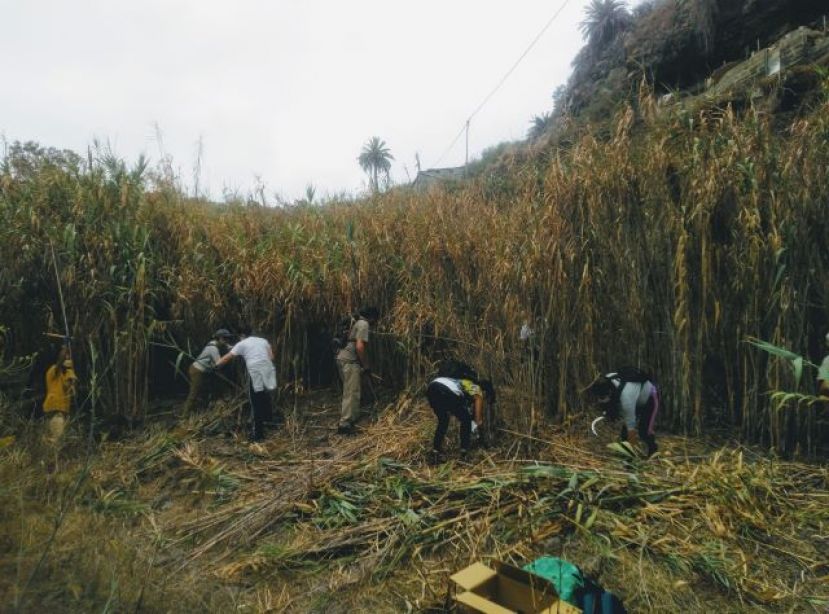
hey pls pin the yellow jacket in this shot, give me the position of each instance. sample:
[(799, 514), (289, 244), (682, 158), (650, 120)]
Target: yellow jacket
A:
[(59, 389)]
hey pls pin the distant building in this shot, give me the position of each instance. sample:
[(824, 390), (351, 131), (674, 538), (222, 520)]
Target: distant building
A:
[(434, 176)]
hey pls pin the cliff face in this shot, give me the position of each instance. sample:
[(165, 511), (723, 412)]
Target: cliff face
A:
[(741, 24), (679, 43)]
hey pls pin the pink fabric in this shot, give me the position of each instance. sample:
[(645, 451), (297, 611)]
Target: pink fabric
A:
[(655, 397)]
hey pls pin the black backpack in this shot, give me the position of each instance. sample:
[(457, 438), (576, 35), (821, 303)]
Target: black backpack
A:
[(631, 374), (457, 370), (342, 334)]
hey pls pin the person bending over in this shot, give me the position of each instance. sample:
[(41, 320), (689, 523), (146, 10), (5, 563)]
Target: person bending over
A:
[(462, 398), (258, 355), (205, 365), (631, 394)]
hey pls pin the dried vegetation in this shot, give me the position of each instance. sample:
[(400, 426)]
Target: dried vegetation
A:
[(191, 518)]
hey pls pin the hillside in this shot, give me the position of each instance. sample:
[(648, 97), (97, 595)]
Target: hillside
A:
[(677, 47)]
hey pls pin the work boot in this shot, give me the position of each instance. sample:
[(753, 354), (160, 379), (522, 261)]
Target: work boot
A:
[(435, 457), (346, 429)]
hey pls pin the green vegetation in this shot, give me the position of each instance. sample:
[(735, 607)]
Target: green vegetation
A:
[(604, 20), (375, 160)]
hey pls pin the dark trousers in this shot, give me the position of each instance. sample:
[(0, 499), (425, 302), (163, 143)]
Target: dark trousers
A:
[(643, 421), (261, 412), (445, 403)]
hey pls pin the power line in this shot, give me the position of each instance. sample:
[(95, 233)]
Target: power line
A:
[(503, 80)]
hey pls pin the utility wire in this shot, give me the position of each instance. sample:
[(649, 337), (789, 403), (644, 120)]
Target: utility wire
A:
[(503, 80)]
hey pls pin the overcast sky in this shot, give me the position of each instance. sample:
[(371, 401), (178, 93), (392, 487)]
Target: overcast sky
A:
[(286, 90)]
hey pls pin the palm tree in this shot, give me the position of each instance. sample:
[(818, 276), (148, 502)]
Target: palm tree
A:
[(539, 125), (310, 192), (375, 159), (603, 20)]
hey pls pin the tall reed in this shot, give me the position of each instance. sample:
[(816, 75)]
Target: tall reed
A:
[(665, 243)]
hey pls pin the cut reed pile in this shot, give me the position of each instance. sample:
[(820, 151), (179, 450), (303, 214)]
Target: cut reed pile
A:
[(367, 520)]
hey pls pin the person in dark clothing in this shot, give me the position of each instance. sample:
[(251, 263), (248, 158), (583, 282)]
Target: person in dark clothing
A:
[(463, 399)]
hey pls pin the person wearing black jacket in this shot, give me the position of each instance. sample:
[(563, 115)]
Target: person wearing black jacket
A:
[(462, 398)]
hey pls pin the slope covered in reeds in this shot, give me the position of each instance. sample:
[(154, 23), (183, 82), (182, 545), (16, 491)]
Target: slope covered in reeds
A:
[(666, 242)]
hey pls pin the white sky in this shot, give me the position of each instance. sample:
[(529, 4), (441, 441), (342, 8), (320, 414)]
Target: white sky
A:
[(288, 90)]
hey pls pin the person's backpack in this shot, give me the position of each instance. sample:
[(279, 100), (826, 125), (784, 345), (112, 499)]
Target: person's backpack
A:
[(342, 334), (633, 374), (456, 369), (574, 587)]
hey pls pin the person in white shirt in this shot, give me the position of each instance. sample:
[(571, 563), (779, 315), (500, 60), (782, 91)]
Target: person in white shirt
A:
[(258, 355), (205, 364)]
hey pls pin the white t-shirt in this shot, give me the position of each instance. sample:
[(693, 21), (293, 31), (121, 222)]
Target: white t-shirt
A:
[(256, 352), (452, 384), (253, 350)]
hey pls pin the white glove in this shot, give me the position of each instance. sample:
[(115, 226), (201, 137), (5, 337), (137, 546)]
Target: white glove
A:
[(475, 433)]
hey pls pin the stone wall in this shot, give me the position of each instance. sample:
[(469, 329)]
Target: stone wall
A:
[(798, 47)]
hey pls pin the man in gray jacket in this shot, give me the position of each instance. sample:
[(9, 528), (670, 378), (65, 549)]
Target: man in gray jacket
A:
[(204, 364)]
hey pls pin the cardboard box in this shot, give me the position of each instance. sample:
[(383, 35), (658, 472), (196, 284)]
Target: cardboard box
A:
[(506, 590)]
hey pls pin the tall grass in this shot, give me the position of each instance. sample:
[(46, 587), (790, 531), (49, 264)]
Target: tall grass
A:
[(666, 242)]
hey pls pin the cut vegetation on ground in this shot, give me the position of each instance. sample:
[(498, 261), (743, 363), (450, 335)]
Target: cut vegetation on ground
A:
[(192, 517)]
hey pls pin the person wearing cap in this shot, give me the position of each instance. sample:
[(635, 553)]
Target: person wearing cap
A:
[(352, 363), (60, 388), (258, 355), (204, 364)]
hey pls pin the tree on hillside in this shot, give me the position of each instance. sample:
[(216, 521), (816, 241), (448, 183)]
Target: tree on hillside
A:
[(539, 125), (603, 20), (375, 159)]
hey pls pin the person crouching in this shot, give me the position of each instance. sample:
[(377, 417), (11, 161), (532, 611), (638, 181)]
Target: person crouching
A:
[(462, 398)]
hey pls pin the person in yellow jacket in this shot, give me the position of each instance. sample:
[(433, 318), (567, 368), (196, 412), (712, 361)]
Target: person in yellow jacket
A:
[(60, 387)]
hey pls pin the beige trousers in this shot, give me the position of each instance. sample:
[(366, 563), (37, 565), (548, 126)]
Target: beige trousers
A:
[(350, 373), (55, 426), (196, 387)]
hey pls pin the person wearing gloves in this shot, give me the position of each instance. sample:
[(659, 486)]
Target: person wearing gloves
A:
[(258, 355), (204, 365), (464, 399), (631, 394)]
